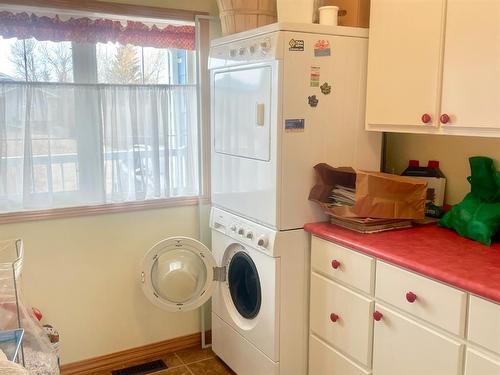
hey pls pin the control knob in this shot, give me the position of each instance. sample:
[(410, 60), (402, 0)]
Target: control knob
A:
[(233, 228), (265, 45), (249, 235), (263, 241), (241, 231)]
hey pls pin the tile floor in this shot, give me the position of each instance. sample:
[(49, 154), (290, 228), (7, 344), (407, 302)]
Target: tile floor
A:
[(194, 361)]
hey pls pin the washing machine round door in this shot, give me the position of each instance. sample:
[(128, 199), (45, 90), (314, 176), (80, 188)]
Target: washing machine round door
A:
[(178, 274), (244, 285)]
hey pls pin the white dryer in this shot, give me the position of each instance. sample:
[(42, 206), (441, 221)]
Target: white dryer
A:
[(285, 97), (258, 279)]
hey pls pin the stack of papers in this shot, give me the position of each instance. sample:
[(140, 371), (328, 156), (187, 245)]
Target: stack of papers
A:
[(343, 196), (369, 225)]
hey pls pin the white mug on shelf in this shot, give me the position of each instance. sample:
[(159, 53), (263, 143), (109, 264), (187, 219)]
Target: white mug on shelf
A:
[(328, 15)]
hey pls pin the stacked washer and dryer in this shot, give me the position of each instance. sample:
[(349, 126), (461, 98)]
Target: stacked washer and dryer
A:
[(284, 97)]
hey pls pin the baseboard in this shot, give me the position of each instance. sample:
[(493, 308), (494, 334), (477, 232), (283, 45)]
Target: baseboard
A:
[(109, 361)]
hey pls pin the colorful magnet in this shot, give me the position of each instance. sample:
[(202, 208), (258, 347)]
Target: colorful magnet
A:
[(322, 48), (314, 82), (325, 88), (296, 45), (313, 101), (294, 125)]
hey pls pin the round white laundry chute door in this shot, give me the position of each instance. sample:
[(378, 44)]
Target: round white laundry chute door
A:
[(177, 274)]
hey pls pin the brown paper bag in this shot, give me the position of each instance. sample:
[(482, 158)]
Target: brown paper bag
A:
[(378, 195), (389, 196)]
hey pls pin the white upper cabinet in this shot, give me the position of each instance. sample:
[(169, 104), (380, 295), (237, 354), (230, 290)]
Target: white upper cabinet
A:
[(434, 67), (471, 73), (403, 63)]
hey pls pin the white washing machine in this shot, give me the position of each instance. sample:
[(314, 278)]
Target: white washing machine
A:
[(258, 279)]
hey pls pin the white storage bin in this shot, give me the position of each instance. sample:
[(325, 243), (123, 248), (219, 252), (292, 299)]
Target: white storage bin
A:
[(295, 11)]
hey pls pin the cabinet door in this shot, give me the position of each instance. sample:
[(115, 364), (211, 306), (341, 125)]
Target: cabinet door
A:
[(324, 360), (405, 53), (342, 318), (484, 323), (477, 363), (471, 73), (403, 346)]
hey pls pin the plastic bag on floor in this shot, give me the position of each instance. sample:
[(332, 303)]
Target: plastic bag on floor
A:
[(36, 349)]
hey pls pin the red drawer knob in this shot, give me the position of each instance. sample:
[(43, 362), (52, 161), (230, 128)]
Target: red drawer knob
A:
[(377, 315), (426, 118), (334, 317), (411, 297), (444, 118), (335, 264)]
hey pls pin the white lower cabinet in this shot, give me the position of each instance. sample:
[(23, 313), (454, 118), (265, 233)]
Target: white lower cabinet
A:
[(403, 346), (407, 324), (341, 318), (477, 363), (324, 360), (484, 324), (433, 302)]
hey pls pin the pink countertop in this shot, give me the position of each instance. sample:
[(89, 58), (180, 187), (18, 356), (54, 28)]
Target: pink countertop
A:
[(429, 250)]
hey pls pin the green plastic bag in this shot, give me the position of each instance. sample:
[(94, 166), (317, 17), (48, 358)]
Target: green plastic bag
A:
[(478, 215), (484, 179)]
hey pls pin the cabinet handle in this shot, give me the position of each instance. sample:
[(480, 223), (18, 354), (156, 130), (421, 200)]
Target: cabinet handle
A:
[(426, 118), (334, 317), (377, 315), (411, 297), (444, 118), (335, 264)]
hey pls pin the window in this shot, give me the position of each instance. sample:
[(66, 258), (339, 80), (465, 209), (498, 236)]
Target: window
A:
[(34, 61), (101, 121)]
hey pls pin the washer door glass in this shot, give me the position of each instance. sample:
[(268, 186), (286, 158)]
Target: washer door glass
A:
[(244, 285), (178, 275)]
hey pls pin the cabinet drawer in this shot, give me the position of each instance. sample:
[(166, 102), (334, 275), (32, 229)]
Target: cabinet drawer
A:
[(324, 360), (402, 346), (351, 333), (484, 323), (434, 302), (477, 363), (352, 268)]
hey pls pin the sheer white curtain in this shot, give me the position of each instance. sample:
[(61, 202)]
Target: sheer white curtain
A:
[(70, 144)]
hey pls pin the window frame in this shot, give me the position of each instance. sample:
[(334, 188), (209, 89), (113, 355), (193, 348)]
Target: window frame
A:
[(141, 13)]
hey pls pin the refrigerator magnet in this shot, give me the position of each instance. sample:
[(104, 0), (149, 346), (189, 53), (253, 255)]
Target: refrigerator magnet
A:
[(326, 88), (312, 100), (294, 125), (322, 48), (296, 45), (314, 80)]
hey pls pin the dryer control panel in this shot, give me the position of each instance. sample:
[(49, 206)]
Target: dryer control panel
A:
[(242, 51), (242, 230)]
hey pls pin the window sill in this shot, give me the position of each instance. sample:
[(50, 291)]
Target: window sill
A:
[(67, 212)]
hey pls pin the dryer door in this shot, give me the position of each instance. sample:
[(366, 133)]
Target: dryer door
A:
[(242, 111), (178, 274)]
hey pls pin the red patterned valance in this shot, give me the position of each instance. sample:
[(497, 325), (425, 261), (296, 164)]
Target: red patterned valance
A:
[(24, 26)]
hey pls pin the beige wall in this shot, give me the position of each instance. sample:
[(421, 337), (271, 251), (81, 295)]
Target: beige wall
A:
[(83, 272), (451, 151)]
